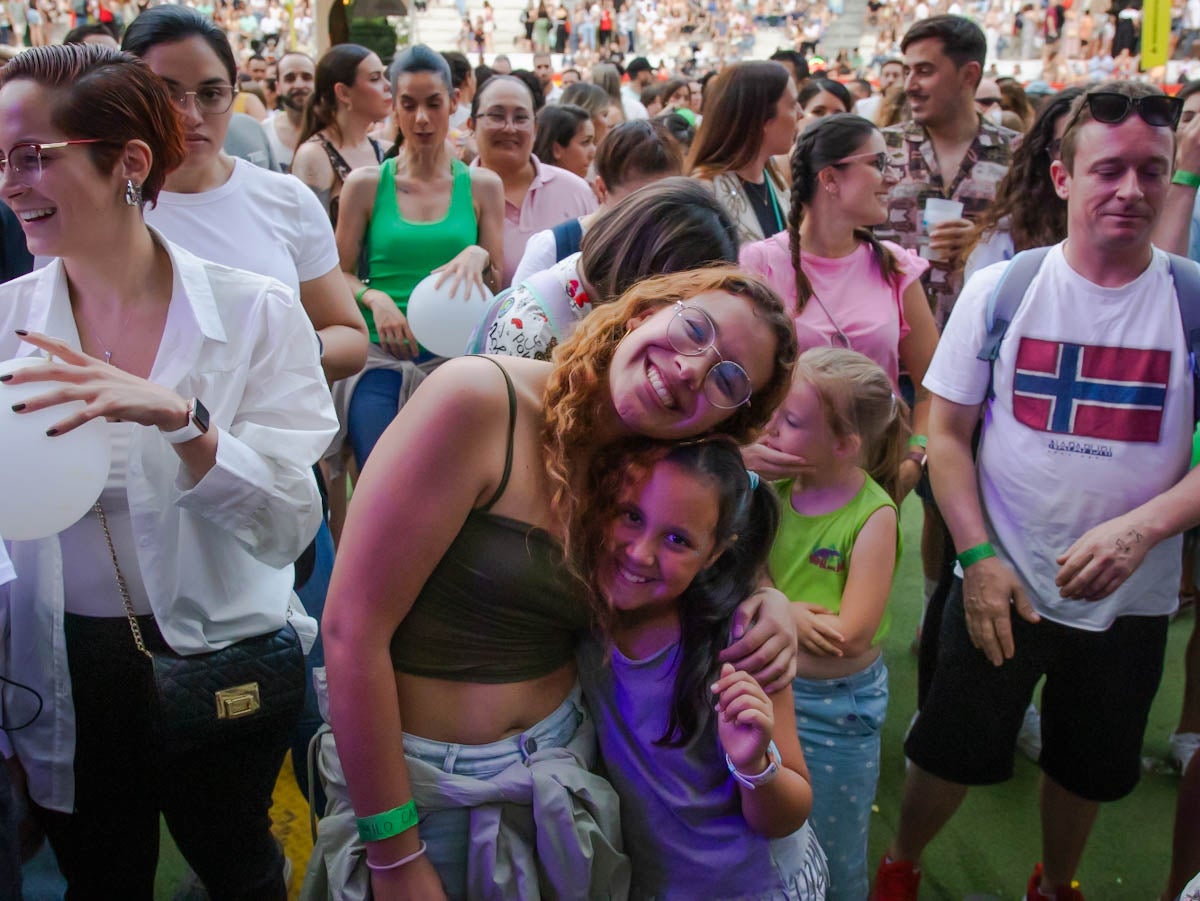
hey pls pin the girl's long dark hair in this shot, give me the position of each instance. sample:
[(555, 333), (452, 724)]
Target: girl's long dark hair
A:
[(822, 144), (748, 515), (1036, 216)]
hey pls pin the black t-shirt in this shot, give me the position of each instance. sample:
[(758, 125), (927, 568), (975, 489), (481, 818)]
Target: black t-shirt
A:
[(762, 201)]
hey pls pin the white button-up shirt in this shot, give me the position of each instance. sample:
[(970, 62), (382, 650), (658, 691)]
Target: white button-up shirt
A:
[(215, 555)]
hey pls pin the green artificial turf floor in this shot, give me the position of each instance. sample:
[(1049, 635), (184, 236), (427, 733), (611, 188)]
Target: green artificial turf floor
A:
[(991, 845)]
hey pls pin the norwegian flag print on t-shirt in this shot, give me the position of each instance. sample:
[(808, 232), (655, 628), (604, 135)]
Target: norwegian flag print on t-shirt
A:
[(1109, 393)]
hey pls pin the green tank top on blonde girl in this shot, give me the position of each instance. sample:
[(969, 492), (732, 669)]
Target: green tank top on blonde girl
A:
[(401, 253), (810, 558)]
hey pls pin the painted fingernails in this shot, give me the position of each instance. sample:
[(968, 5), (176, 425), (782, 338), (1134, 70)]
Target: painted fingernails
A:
[(17, 408), (5, 378), (51, 432), (21, 332)]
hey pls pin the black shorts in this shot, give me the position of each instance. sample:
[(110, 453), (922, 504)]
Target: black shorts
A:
[(1099, 687)]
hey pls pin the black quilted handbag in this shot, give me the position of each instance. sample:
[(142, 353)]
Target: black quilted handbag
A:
[(206, 698), (249, 685)]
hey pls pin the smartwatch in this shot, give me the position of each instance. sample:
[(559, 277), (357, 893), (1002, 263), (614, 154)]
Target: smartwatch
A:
[(197, 424)]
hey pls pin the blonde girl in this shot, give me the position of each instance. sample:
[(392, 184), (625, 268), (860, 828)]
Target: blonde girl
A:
[(834, 557)]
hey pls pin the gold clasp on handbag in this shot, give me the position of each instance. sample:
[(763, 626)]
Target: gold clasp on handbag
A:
[(238, 701)]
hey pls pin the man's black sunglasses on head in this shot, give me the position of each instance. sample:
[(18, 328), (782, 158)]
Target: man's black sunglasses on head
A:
[(1111, 108)]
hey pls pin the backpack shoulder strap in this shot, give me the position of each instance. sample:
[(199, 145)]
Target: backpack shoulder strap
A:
[(1186, 275), (567, 236), (1005, 301)]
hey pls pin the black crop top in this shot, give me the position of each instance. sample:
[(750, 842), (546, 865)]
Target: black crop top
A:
[(500, 606)]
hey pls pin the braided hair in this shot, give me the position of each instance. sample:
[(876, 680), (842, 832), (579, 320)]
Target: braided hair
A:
[(822, 144)]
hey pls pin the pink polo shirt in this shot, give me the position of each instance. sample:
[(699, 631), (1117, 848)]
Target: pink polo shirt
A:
[(868, 309), (554, 196)]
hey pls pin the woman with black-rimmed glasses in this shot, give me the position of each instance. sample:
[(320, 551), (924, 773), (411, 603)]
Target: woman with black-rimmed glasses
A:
[(844, 287), (231, 211), (207, 386)]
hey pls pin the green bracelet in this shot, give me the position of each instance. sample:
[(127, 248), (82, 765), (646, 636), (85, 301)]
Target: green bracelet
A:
[(919, 441), (1183, 177), (387, 824), (975, 554), (358, 295)]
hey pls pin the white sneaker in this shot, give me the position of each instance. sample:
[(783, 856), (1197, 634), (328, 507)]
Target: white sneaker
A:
[(1183, 746), (1029, 739)]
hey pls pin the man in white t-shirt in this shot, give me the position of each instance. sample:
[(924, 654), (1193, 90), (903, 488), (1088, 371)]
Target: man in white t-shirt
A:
[(295, 80), (641, 76), (1067, 523)]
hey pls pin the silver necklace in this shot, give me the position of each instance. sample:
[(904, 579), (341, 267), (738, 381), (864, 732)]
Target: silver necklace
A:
[(843, 339), (108, 347)]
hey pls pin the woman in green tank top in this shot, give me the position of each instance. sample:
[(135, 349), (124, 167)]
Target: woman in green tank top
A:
[(420, 212)]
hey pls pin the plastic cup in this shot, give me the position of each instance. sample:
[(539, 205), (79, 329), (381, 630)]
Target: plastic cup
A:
[(937, 210)]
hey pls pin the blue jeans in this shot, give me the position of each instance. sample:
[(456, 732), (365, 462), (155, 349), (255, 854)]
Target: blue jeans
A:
[(312, 596), (372, 409), (839, 722), (447, 832)]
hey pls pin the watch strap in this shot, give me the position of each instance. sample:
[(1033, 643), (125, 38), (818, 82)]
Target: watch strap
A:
[(197, 424)]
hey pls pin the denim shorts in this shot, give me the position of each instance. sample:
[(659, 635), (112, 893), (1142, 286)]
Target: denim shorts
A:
[(447, 832)]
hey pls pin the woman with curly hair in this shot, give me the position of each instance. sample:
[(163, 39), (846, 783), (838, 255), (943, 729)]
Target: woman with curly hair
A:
[(450, 652), (844, 287), (1027, 211)]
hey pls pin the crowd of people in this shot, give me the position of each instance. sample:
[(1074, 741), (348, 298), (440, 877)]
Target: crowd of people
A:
[(593, 607)]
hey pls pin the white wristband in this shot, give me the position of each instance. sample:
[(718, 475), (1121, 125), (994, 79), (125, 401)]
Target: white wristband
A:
[(396, 864), (753, 782)]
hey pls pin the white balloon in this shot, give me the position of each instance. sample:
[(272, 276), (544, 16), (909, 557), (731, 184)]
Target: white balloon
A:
[(443, 322), (46, 484)]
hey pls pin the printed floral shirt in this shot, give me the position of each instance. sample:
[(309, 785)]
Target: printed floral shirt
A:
[(522, 326), (974, 185)]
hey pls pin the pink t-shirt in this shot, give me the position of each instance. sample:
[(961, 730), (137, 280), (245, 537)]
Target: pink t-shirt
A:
[(554, 196), (857, 299)]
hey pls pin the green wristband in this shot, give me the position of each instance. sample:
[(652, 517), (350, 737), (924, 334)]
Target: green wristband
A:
[(1183, 177), (919, 441), (358, 295), (387, 824), (975, 554)]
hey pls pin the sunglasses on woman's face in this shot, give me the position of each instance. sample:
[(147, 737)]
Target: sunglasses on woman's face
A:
[(1112, 108), (877, 161)]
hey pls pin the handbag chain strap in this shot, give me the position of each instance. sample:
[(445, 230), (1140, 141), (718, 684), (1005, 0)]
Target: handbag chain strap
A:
[(121, 584)]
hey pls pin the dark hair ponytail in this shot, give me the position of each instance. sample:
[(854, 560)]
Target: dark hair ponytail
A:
[(706, 608), (822, 144), (339, 65)]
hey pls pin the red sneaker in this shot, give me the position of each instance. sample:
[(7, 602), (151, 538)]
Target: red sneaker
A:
[(896, 880), (1061, 893)]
